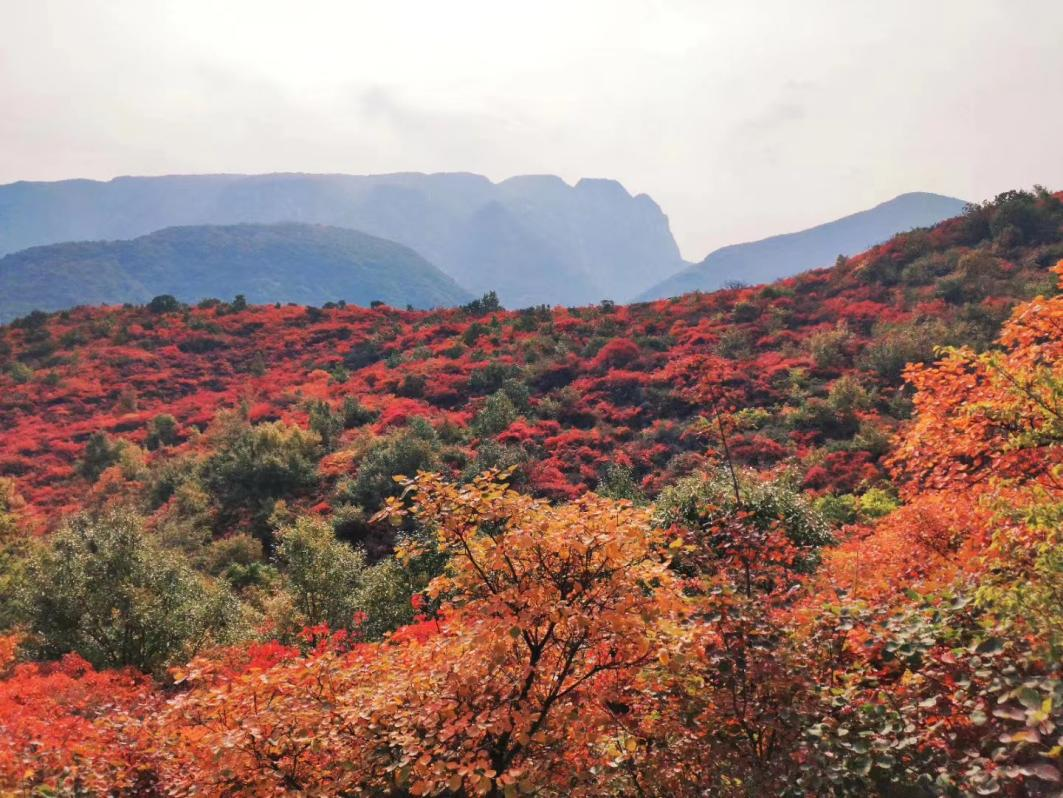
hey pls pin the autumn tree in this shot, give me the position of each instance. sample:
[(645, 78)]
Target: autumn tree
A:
[(549, 616)]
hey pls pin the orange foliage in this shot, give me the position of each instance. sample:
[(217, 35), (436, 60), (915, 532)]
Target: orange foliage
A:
[(998, 414)]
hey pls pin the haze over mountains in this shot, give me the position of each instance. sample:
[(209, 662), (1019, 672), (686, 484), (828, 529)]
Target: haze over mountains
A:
[(533, 239), (786, 255), (306, 264)]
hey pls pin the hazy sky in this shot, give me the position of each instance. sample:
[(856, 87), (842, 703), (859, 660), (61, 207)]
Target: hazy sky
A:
[(742, 119)]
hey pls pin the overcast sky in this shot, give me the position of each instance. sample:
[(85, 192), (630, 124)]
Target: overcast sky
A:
[(742, 119)]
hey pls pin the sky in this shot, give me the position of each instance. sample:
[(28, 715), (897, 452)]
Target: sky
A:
[(741, 119)]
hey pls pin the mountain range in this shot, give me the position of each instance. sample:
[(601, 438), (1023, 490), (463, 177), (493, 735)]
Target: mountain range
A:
[(786, 255), (533, 239), (307, 264)]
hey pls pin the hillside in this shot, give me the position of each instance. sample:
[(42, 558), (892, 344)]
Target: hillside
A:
[(810, 367), (533, 239), (763, 541), (305, 264), (786, 255)]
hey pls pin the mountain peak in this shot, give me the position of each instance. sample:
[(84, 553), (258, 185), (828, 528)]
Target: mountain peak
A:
[(785, 255)]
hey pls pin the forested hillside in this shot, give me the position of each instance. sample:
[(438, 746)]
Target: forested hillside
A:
[(766, 541), (307, 264), (792, 253)]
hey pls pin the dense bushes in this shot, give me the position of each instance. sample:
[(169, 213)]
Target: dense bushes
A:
[(105, 589), (253, 466)]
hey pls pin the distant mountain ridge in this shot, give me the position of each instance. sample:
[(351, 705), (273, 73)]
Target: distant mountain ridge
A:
[(305, 264), (534, 239), (789, 254)]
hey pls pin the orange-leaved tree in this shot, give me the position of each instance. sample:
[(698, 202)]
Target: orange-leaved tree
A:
[(550, 614)]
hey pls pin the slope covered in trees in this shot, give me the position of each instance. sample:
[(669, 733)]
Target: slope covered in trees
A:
[(306, 264), (806, 568), (789, 254)]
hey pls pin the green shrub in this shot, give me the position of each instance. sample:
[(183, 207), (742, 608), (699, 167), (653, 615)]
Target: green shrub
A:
[(323, 574), (107, 590), (404, 452), (255, 466), (162, 431), (101, 452), (700, 502), (496, 415), (164, 303), (355, 414), (326, 423)]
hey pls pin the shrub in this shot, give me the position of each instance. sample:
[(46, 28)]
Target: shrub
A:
[(162, 431), (323, 573), (405, 452), (830, 348), (486, 304), (497, 413), (700, 501), (355, 414), (164, 303), (101, 452), (254, 466), (326, 423), (105, 589)]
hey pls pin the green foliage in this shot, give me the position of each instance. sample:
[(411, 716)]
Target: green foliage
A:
[(492, 377), (838, 510), (735, 344), (876, 503), (847, 397), (13, 543), (618, 482), (486, 304), (491, 454), (331, 583), (164, 303), (830, 348), (101, 452), (326, 423), (405, 452), (19, 372), (849, 509), (162, 431), (700, 501), (355, 414), (254, 466), (107, 590), (323, 574), (384, 597), (495, 416)]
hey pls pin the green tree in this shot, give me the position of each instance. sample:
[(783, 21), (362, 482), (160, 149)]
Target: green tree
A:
[(497, 413), (705, 501), (324, 574), (254, 466), (107, 590), (406, 452), (101, 452), (164, 303), (326, 423), (162, 431)]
